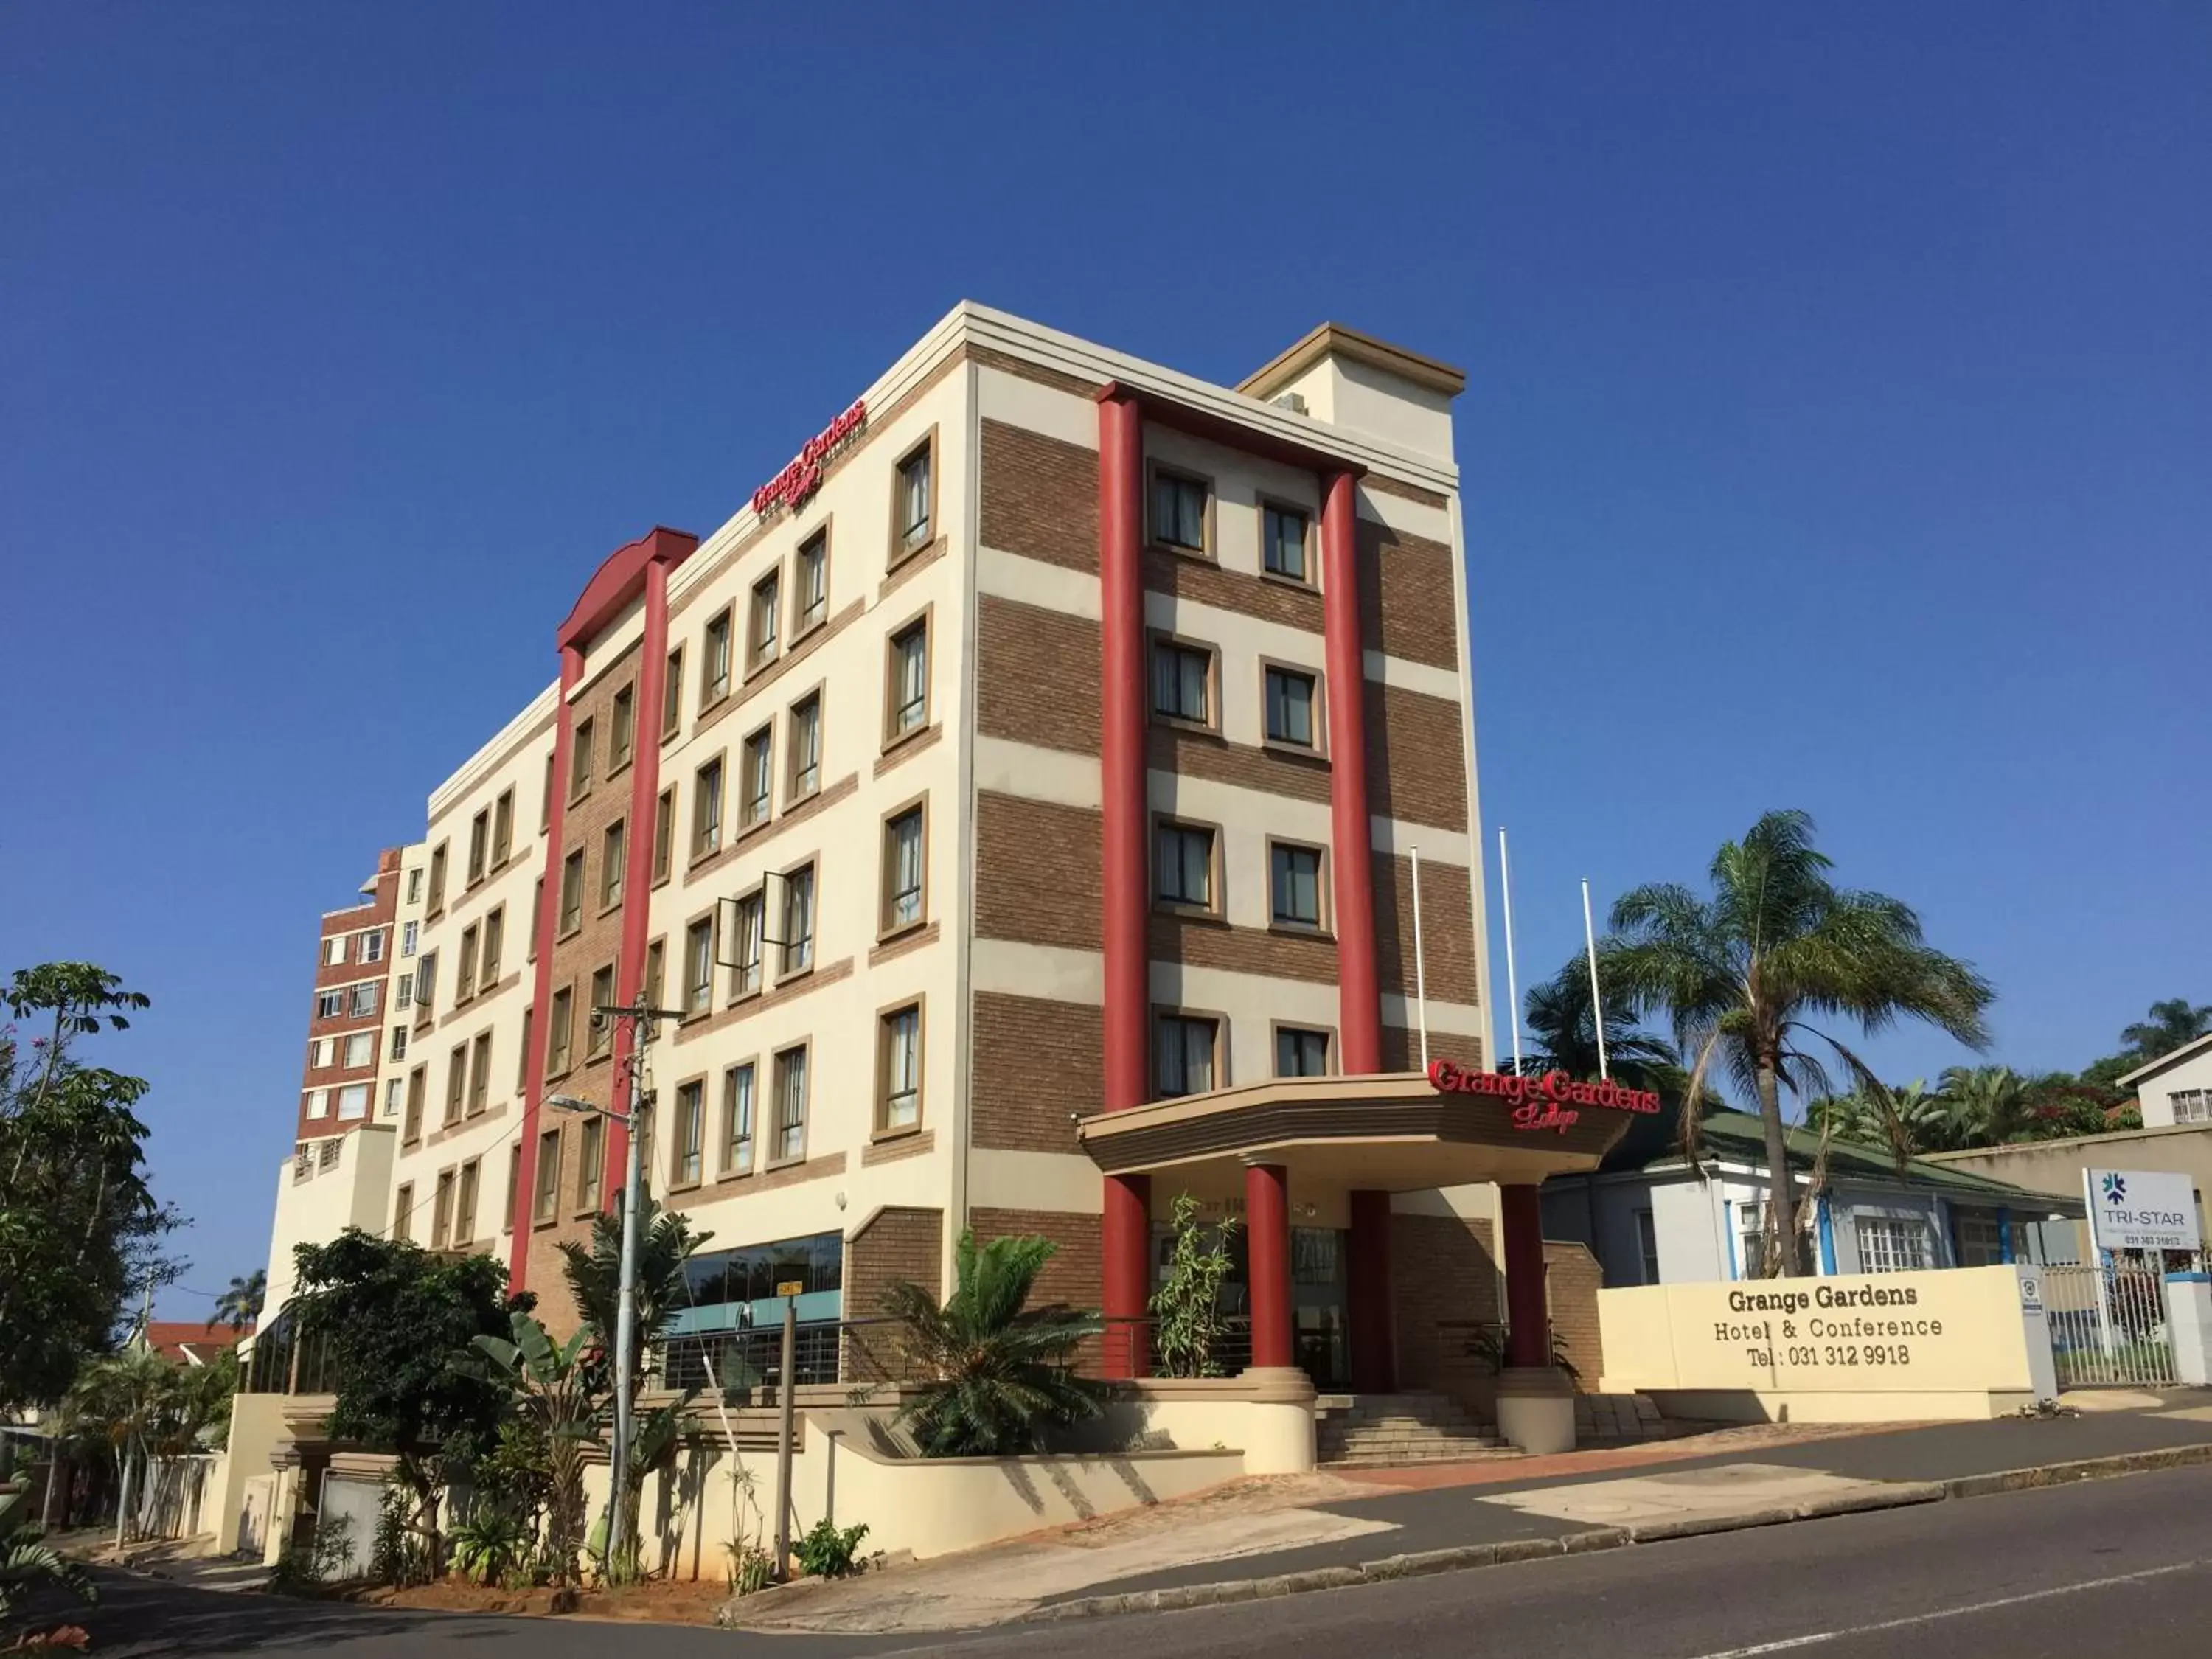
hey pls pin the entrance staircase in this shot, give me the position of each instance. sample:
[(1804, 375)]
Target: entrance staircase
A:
[(1379, 1431)]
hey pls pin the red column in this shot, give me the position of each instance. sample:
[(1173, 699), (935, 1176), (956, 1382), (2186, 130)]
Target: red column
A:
[(1360, 1016), (1125, 1226), (1268, 1228), (1527, 1318), (541, 991), (1367, 1286)]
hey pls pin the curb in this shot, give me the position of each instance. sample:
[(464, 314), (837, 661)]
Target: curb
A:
[(1904, 1494)]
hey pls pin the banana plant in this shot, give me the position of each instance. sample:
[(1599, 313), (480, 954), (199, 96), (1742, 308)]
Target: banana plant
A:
[(28, 1564), (558, 1387)]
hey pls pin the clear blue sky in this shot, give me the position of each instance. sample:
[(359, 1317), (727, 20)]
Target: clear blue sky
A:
[(1838, 431)]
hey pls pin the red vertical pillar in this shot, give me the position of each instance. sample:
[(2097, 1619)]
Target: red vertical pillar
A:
[(1360, 1016), (1527, 1318), (1268, 1230), (1367, 1286), (1125, 1226), (541, 988)]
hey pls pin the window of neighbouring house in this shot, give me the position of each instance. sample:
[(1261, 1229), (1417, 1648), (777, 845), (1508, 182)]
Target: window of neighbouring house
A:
[(1894, 1244)]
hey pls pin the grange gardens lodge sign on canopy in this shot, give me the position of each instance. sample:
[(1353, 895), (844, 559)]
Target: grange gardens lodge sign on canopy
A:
[(791, 487), (1549, 1101)]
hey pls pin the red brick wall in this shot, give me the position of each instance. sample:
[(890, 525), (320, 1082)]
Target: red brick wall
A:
[(383, 905), (1572, 1279), (1035, 1060), (896, 1244), (1443, 1272)]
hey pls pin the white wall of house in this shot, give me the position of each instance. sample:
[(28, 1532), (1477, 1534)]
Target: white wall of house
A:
[(2179, 1092)]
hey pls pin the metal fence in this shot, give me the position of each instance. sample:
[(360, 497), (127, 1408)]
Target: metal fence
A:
[(2108, 1324)]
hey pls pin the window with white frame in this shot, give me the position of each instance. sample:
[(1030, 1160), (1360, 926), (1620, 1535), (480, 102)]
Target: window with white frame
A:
[(360, 1049), (362, 1003), (394, 1092), (352, 1101), (409, 934), (334, 949), (319, 1103), (799, 919), (791, 1104), (399, 1042), (321, 1053), (1894, 1244), (901, 1052), (329, 1004), (1750, 1239), (2191, 1105), (1183, 1047), (371, 946), (404, 996), (738, 1119)]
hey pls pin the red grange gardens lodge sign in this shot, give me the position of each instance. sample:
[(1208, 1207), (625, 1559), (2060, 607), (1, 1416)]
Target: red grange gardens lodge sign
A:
[(1549, 1101), (791, 487)]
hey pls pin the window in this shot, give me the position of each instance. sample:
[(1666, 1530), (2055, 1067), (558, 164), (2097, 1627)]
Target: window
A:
[(329, 1004), (599, 1029), (319, 1103), (621, 728), (537, 914), (522, 1052), (1981, 1240), (441, 1212), (656, 958), (903, 870), (699, 966), (558, 1031), (437, 901), (590, 1163), (812, 578), (495, 941), (514, 1188), (899, 1044), (707, 809), (543, 1200), (914, 504), (404, 997), (614, 855), (907, 695), (418, 1085), (426, 984), (2191, 1105), (738, 1119), (791, 1104), (503, 828), (1894, 1244), (457, 1082), (479, 1072), (334, 951), (751, 918), (410, 935), (1179, 512), (352, 1101), (362, 1001), (579, 760), (399, 1042), (1301, 1052), (1293, 884), (479, 845), (688, 1140), (370, 947), (464, 1203), (572, 892), (1183, 683), (1290, 700), (1283, 542), (761, 635), (1751, 1239), (322, 1054), (714, 662), (359, 1050), (402, 1213), (672, 697), (414, 885), (1647, 1246), (664, 834), (1185, 854), (545, 801), (799, 920), (1183, 1050), (465, 971), (759, 765), (805, 746)]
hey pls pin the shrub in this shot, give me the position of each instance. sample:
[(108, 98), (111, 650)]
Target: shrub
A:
[(828, 1553)]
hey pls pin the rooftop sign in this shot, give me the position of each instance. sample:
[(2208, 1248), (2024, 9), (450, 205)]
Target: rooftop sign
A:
[(791, 487), (1540, 1102)]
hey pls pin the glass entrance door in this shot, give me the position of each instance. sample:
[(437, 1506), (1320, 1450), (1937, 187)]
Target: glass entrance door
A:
[(1317, 1302)]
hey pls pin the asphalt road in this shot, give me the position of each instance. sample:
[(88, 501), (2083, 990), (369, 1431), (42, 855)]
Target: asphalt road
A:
[(2112, 1566)]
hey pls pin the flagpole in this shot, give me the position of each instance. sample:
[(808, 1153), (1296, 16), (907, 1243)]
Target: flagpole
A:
[(1512, 990), (1597, 1007)]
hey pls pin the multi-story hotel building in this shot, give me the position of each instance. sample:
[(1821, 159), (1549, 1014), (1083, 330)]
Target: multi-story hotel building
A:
[(1018, 801)]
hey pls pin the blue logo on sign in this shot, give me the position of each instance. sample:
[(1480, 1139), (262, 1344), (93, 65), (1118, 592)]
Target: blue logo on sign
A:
[(2116, 1189)]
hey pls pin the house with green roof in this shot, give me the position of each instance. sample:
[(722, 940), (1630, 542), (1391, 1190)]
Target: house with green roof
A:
[(1651, 1215)]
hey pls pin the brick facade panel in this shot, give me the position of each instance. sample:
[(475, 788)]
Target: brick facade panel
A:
[(1444, 1273), (897, 1244), (1416, 759), (1407, 601), (1200, 943), (1401, 1050), (1448, 941), (1038, 871), (1203, 582), (1035, 1060), (1075, 1273), (1197, 754), (1572, 1279), (1040, 496), (1038, 675)]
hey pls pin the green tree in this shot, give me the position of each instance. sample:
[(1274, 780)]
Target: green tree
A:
[(400, 1326), (559, 1396), (241, 1305), (1742, 975), (1988, 1102), (996, 1374), (1188, 1304), (81, 1234), (2171, 1024)]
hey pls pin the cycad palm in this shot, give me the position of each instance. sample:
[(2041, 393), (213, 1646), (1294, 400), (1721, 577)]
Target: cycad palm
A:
[(993, 1373), (1778, 945)]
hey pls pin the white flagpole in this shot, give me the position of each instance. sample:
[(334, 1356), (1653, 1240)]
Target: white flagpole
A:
[(1597, 1007), (1420, 968), (1512, 990)]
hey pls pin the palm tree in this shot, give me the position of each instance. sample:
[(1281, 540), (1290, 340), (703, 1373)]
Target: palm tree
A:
[(1990, 1103), (1559, 1017), (994, 1373), (2172, 1023), (666, 1245), (239, 1306), (1741, 974)]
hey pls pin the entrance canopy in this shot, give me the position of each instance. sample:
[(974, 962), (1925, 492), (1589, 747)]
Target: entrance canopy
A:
[(1392, 1132)]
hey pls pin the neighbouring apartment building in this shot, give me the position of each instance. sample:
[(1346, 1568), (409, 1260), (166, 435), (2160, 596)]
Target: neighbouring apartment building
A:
[(1017, 802)]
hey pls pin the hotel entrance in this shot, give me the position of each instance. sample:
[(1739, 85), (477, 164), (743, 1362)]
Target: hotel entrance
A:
[(1318, 1332)]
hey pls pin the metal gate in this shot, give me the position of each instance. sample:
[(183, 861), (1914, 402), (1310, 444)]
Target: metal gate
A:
[(2108, 1325)]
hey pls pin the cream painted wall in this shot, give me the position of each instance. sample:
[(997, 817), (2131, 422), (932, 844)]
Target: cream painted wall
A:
[(316, 1209), (2155, 1093)]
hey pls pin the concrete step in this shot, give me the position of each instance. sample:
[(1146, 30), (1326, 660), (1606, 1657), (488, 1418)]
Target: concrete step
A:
[(1467, 1454)]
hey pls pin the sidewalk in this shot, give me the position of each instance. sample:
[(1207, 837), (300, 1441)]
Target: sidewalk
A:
[(1259, 1538)]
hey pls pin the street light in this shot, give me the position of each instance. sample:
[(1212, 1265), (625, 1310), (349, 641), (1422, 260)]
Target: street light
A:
[(626, 1276)]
